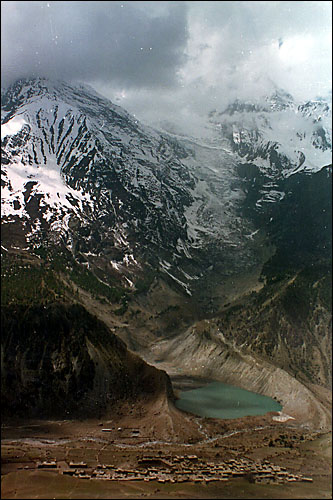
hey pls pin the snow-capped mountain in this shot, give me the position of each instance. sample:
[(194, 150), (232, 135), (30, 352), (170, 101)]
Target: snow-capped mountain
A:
[(80, 171), (279, 136), (73, 159), (282, 136)]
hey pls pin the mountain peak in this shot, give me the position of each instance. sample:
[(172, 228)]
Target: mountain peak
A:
[(280, 100), (71, 156), (79, 95)]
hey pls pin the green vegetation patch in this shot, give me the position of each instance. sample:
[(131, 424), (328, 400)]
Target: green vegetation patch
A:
[(85, 279), (31, 281)]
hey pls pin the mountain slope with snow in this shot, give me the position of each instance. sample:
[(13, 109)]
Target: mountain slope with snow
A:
[(72, 158), (281, 135), (79, 170)]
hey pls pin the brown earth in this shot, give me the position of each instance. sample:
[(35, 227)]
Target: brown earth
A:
[(161, 430)]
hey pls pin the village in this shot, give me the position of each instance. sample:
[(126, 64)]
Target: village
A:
[(116, 461), (178, 469)]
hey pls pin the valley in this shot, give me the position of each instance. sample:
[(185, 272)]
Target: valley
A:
[(198, 458), (294, 441), (137, 264)]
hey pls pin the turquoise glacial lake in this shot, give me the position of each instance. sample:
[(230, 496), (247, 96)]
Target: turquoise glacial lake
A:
[(218, 400)]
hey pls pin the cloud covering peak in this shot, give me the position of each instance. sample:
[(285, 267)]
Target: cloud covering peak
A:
[(127, 43), (168, 59)]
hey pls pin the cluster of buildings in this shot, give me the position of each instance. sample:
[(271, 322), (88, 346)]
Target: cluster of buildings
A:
[(181, 468)]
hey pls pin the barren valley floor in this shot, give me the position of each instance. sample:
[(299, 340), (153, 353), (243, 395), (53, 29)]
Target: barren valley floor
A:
[(250, 457)]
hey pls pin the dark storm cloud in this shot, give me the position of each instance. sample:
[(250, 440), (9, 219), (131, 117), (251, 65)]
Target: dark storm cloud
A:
[(174, 61), (134, 44)]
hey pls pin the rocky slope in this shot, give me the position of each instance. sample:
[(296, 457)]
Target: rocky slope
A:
[(266, 344), (59, 360)]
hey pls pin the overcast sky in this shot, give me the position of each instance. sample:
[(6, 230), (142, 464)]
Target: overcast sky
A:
[(174, 61)]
